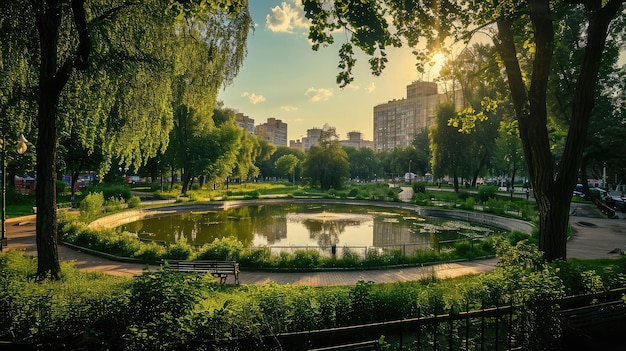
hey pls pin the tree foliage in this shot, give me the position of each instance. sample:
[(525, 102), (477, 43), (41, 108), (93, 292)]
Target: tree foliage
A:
[(450, 149), (121, 100), (526, 36), (326, 164)]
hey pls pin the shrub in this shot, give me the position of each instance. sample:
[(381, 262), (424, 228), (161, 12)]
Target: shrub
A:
[(108, 191), (61, 186), (419, 187), (113, 204), (464, 195), (469, 204), (225, 249), (253, 195), (306, 258), (120, 244), (487, 192), (349, 257), (150, 252), (422, 199), (133, 202), (181, 250), (496, 207), (91, 205), (256, 257)]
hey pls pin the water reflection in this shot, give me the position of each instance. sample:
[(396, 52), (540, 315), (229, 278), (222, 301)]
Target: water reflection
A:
[(305, 225)]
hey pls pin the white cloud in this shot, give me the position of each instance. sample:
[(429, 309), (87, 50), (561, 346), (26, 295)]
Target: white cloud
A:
[(370, 88), (254, 98), (353, 87), (285, 18), (317, 95), (288, 108)]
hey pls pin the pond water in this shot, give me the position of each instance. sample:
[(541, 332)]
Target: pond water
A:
[(308, 226)]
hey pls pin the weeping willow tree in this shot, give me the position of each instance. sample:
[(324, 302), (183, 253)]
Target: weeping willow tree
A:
[(101, 72), (210, 55)]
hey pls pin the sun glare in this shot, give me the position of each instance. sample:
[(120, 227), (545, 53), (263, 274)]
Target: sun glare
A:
[(435, 64)]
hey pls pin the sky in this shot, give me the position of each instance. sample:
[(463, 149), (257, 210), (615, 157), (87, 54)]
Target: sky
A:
[(282, 77)]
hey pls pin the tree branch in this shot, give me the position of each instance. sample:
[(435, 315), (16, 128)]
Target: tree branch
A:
[(84, 42)]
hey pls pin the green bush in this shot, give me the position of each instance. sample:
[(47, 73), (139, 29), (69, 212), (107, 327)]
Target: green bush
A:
[(133, 202), (109, 191), (91, 205), (469, 204), (306, 258), (486, 192), (419, 187), (225, 249), (61, 186), (422, 199), (181, 250), (256, 257), (113, 204), (150, 252), (464, 195)]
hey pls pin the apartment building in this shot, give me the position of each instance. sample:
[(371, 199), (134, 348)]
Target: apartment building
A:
[(274, 131), (244, 122), (397, 122)]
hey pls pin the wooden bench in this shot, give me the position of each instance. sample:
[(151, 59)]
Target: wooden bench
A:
[(586, 316), (359, 346), (219, 269)]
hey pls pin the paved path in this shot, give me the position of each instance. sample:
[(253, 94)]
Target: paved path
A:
[(594, 237)]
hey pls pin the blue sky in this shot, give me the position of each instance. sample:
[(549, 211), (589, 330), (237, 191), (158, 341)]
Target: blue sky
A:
[(282, 77)]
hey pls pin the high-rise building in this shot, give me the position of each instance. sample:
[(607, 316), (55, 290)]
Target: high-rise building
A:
[(397, 122), (244, 122), (274, 131)]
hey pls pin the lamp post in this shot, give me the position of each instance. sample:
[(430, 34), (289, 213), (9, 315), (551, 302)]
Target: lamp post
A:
[(410, 175), (21, 148)]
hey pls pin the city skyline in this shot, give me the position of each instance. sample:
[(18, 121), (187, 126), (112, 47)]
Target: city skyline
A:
[(283, 78)]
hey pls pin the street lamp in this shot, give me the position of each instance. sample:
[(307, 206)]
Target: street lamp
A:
[(410, 175), (21, 148)]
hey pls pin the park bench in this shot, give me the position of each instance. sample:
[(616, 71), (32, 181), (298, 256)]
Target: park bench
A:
[(219, 269), (359, 346), (586, 316)]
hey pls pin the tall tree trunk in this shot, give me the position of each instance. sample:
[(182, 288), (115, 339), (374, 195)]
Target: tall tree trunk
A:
[(48, 22), (48, 16), (73, 181), (553, 193)]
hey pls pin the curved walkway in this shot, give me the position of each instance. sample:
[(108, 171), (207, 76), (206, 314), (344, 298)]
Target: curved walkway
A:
[(594, 237)]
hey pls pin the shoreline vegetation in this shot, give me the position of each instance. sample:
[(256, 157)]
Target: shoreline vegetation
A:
[(90, 229)]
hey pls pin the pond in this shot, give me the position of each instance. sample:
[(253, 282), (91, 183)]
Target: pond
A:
[(308, 225)]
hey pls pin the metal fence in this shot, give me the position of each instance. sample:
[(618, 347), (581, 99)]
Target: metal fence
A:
[(407, 249), (485, 329)]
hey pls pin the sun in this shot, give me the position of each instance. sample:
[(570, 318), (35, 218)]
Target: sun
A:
[(434, 65)]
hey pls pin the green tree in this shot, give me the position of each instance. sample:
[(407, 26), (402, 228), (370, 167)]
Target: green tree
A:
[(363, 163), (117, 46), (219, 147), (267, 166), (421, 144), (448, 147), (476, 71), (286, 165), (525, 36), (326, 164), (249, 151), (508, 156)]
